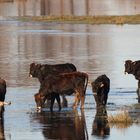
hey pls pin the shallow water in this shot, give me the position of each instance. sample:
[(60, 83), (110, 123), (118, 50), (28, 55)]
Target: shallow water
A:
[(95, 49)]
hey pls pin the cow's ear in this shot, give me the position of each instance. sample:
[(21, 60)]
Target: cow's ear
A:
[(32, 64), (129, 61)]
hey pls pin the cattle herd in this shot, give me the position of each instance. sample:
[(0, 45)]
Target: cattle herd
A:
[(64, 79)]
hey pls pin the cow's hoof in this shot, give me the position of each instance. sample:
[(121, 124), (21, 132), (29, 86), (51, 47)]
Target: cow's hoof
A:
[(82, 107), (59, 109), (74, 107)]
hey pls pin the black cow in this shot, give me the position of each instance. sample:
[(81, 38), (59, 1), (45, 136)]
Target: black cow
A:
[(41, 71), (2, 89), (66, 83), (134, 68), (100, 88)]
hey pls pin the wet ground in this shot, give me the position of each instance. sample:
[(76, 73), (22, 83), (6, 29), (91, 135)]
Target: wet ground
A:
[(98, 49)]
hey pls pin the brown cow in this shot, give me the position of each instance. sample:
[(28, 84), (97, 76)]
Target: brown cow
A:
[(134, 68), (65, 83), (41, 71)]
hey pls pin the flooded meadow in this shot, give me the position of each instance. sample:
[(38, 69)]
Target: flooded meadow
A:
[(94, 49)]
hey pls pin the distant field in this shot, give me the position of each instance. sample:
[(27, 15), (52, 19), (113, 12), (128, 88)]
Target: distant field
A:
[(129, 19)]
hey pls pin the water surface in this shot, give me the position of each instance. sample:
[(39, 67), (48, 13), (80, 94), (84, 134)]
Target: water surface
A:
[(94, 49)]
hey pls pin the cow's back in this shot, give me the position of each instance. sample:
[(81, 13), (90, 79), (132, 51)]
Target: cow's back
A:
[(64, 81), (58, 68), (41, 71)]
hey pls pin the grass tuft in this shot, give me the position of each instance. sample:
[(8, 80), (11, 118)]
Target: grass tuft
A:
[(122, 117)]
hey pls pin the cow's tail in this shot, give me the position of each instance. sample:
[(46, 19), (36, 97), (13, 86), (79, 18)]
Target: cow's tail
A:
[(86, 83)]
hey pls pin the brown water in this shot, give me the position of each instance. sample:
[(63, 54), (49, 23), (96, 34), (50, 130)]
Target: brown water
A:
[(95, 49)]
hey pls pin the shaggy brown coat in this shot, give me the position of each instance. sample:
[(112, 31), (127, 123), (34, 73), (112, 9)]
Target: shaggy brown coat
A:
[(66, 83)]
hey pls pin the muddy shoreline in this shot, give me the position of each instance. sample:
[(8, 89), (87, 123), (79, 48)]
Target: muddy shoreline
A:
[(125, 19)]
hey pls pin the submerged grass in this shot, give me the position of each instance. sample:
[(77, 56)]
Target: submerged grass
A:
[(122, 117), (125, 19)]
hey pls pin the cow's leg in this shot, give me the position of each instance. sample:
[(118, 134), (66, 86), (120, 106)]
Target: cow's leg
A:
[(58, 100), (48, 102), (105, 98), (64, 102), (96, 98), (77, 100), (52, 101), (138, 92), (82, 101)]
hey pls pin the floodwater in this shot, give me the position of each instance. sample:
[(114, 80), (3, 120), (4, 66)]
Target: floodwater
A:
[(95, 49)]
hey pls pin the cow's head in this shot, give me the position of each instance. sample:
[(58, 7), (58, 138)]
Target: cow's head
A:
[(128, 67), (40, 100), (34, 70), (96, 86)]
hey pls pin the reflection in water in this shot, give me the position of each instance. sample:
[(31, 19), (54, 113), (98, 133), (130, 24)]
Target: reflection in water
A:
[(68, 7), (100, 125), (64, 125), (77, 45), (2, 135), (93, 49)]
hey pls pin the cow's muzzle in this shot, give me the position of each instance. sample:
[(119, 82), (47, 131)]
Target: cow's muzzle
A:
[(30, 75), (94, 93), (39, 108)]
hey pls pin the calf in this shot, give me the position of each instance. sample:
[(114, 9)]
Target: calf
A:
[(66, 83), (100, 88)]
